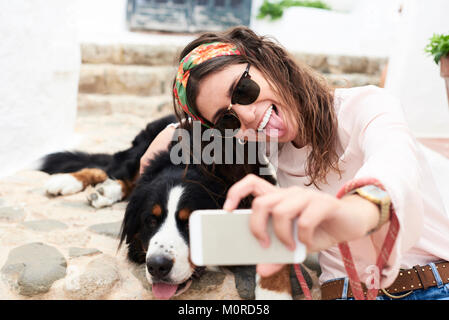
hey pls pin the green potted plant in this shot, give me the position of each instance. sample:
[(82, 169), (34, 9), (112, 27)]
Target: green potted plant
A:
[(275, 10), (438, 47)]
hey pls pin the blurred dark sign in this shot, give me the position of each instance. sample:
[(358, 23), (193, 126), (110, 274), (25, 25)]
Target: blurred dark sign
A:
[(187, 15)]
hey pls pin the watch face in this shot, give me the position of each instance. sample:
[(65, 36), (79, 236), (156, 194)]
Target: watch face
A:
[(373, 193)]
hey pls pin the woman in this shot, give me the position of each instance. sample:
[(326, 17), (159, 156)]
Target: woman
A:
[(352, 178)]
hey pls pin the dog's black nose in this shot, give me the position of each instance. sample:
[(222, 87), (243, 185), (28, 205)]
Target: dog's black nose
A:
[(159, 266)]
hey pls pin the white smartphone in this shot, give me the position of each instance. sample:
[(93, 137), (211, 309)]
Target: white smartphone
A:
[(221, 238)]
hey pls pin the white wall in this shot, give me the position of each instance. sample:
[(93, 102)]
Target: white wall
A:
[(104, 21), (357, 27), (361, 27), (39, 63), (413, 76), (99, 19)]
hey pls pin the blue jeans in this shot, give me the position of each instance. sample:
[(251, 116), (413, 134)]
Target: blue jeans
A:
[(439, 292)]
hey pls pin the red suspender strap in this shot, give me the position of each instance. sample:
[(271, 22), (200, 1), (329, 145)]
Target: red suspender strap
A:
[(385, 252), (302, 282)]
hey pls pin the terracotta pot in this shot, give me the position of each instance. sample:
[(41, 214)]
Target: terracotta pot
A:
[(444, 72)]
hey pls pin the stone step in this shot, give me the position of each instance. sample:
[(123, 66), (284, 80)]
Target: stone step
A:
[(157, 55), (340, 64), (130, 54), (157, 80), (352, 79), (126, 79), (148, 107)]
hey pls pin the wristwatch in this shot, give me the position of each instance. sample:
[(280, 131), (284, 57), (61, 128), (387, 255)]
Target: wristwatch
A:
[(379, 197)]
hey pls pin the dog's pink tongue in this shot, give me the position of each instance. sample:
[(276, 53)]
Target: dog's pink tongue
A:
[(164, 291)]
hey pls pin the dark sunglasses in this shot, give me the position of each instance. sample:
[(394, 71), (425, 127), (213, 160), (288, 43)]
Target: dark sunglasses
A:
[(245, 92)]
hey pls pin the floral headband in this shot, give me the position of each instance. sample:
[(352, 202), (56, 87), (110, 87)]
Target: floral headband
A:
[(195, 57)]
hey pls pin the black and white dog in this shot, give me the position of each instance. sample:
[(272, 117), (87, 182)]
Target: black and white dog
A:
[(155, 225)]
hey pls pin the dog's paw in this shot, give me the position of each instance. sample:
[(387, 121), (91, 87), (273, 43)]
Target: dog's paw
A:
[(279, 293), (63, 184), (106, 194), (265, 294)]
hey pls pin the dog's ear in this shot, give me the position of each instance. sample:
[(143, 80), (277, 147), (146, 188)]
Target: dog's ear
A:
[(136, 250), (132, 225)]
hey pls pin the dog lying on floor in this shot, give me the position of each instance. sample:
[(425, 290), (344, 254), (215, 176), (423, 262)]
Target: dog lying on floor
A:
[(155, 224)]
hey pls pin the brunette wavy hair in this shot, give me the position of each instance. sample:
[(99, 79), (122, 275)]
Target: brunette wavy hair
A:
[(308, 95)]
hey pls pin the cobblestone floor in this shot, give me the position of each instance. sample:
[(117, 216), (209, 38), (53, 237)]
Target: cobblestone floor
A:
[(62, 248)]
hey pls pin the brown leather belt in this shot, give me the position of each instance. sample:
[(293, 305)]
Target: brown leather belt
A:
[(419, 277)]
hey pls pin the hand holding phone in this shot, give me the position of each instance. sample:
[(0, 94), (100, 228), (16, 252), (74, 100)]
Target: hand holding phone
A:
[(221, 238)]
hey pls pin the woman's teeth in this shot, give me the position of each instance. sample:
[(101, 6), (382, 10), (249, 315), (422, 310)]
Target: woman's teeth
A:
[(265, 119)]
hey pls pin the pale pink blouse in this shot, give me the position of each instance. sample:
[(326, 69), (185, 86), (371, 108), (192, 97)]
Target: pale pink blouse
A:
[(375, 142)]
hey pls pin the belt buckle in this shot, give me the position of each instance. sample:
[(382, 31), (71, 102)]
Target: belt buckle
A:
[(398, 296)]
